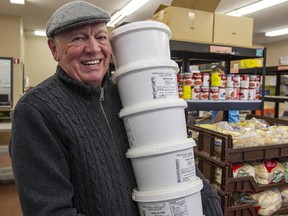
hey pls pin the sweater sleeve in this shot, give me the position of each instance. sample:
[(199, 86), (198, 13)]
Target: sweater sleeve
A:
[(211, 202), (39, 164)]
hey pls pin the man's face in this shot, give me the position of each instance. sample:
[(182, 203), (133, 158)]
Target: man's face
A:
[(83, 53)]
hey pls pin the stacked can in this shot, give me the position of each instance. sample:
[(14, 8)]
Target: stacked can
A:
[(218, 86), (161, 154), (243, 87)]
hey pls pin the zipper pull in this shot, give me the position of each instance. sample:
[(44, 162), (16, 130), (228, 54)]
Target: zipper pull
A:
[(101, 94)]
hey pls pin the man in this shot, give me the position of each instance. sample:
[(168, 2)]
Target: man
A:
[(68, 143)]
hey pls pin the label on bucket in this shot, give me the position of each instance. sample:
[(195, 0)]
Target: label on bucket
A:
[(164, 84), (176, 207), (129, 133), (185, 166)]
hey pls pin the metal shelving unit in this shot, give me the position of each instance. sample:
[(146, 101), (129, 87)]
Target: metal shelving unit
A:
[(187, 53), (272, 71), (6, 173)]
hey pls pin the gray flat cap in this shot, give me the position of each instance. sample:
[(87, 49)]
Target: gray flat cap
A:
[(75, 14)]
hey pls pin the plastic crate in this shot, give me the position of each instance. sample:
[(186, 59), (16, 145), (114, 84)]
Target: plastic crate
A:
[(206, 146), (226, 183), (229, 209), (270, 120)]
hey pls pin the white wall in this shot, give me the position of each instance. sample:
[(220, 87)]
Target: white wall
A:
[(39, 63)]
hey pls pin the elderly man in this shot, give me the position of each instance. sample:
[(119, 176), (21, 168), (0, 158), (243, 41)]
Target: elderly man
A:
[(68, 143)]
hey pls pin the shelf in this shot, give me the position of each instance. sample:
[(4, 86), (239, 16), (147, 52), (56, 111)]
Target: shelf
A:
[(6, 174), (215, 52), (5, 126), (206, 148), (279, 99), (4, 150), (208, 105)]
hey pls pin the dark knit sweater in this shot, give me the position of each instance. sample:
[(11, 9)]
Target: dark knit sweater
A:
[(68, 150)]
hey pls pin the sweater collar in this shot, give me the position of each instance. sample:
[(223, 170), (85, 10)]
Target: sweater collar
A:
[(78, 87)]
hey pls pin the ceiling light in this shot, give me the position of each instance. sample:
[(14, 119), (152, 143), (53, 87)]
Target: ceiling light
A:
[(277, 32), (260, 5), (40, 33), (128, 9), (17, 1)]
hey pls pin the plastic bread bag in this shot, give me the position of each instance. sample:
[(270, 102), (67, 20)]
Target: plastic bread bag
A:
[(257, 123), (266, 202), (284, 195), (269, 201), (242, 170), (247, 140), (269, 171), (276, 135), (218, 175)]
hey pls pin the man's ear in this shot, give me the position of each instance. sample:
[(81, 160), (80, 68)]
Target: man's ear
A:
[(52, 45)]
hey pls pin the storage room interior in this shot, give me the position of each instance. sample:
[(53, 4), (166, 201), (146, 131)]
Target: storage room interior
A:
[(32, 61)]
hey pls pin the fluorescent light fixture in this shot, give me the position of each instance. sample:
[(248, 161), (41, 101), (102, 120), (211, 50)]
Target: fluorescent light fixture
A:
[(260, 5), (128, 9), (116, 18), (40, 33), (277, 32), (17, 1)]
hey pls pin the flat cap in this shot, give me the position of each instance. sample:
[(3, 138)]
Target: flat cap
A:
[(73, 15)]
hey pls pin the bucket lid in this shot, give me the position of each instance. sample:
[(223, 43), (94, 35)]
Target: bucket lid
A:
[(135, 26), (144, 65), (160, 149), (152, 105), (182, 190)]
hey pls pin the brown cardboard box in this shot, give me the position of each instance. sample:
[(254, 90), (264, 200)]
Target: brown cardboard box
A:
[(189, 20), (230, 30)]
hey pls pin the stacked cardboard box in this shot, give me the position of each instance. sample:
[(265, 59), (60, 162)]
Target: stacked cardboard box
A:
[(196, 21)]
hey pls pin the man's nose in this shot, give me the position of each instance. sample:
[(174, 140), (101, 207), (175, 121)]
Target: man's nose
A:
[(92, 45)]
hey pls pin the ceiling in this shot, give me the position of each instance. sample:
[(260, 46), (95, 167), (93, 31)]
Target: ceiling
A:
[(35, 14)]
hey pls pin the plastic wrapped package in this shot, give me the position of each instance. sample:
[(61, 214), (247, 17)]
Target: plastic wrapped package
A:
[(269, 171), (243, 169), (266, 202)]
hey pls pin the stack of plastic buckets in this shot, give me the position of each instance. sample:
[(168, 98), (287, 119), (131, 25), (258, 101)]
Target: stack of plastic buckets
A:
[(161, 154)]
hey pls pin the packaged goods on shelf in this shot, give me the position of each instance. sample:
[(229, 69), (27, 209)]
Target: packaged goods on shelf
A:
[(218, 86), (269, 171), (250, 133), (226, 178), (251, 172), (266, 202)]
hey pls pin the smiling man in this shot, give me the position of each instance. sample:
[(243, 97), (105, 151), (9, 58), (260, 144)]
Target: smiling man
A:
[(68, 143)]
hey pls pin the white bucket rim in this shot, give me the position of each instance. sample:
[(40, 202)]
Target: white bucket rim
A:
[(152, 105), (182, 190), (135, 26), (144, 65), (160, 148)]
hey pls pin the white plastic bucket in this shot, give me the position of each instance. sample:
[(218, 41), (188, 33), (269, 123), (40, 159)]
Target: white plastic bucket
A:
[(163, 166), (184, 200), (138, 41), (155, 122), (143, 81)]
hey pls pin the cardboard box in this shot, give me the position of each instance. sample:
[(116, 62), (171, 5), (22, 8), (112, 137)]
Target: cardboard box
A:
[(230, 30), (189, 20)]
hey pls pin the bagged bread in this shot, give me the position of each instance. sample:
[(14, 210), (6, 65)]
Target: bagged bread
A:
[(269, 171), (268, 201), (284, 195), (240, 170), (218, 175)]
